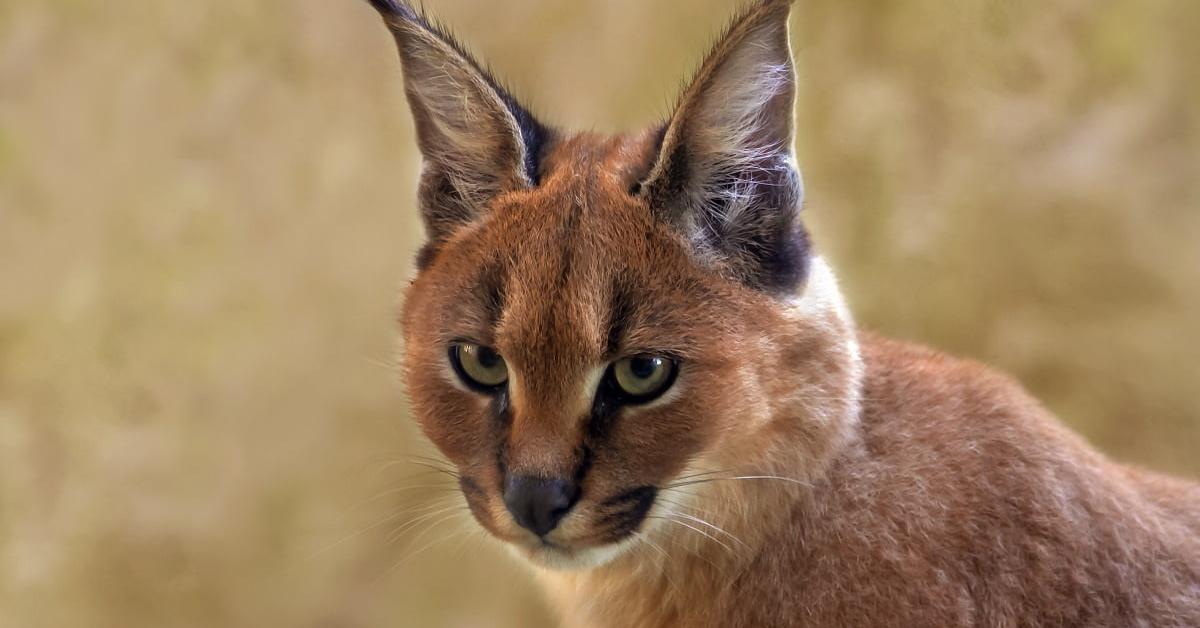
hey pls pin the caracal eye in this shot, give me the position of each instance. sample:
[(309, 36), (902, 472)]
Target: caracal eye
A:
[(643, 377), (478, 366)]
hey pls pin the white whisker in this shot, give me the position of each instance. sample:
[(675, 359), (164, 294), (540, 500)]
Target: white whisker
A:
[(698, 531), (739, 477), (703, 522), (418, 551), (398, 533), (352, 535)]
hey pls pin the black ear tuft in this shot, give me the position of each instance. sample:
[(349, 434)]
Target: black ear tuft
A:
[(395, 9)]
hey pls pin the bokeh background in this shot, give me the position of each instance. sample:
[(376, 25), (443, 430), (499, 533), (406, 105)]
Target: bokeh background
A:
[(206, 216)]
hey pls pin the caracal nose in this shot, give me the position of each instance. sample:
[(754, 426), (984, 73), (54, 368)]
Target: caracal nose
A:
[(538, 504)]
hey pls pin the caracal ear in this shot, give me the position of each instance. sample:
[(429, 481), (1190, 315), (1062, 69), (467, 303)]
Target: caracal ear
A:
[(725, 175), (476, 140)]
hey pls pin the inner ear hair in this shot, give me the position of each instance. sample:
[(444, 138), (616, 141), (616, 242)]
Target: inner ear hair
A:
[(477, 141), (725, 175)]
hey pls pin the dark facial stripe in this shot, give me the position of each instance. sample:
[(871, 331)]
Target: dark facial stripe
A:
[(620, 311), (470, 486), (501, 426), (585, 465), (604, 405), (567, 237), (638, 494), (604, 410), (631, 506), (491, 291)]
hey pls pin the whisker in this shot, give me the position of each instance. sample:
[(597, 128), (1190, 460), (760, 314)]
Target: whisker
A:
[(476, 535), (666, 560), (698, 531), (772, 477), (739, 477), (438, 461), (701, 474), (401, 489), (398, 532), (679, 504), (415, 553), (392, 463), (433, 464), (703, 522), (391, 367), (701, 555), (655, 546), (434, 467), (391, 517), (692, 507)]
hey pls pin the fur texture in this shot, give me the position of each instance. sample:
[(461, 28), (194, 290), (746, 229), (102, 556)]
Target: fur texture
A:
[(725, 175), (477, 140), (799, 472)]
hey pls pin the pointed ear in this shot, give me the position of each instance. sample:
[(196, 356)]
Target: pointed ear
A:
[(476, 140), (725, 175)]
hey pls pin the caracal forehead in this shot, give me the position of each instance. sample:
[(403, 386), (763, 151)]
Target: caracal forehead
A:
[(566, 275)]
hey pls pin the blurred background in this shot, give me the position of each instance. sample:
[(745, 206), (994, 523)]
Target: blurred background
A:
[(206, 214)]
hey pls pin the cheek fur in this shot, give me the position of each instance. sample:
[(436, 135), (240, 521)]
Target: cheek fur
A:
[(460, 423), (650, 445)]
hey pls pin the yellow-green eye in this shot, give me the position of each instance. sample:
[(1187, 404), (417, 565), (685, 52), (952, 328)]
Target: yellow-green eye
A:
[(479, 367), (643, 377)]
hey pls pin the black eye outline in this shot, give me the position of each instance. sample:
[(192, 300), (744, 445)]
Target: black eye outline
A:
[(612, 389), (453, 353)]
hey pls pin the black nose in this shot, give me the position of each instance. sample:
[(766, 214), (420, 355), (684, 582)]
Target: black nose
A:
[(538, 504)]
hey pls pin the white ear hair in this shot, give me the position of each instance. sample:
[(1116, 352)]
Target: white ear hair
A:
[(732, 141), (477, 142), (725, 175)]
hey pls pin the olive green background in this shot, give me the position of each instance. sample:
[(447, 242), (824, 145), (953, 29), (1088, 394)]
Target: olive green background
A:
[(206, 217)]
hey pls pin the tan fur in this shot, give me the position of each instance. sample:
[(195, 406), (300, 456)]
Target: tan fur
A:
[(958, 502), (808, 474)]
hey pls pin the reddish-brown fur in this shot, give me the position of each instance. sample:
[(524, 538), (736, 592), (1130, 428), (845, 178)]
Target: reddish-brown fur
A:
[(809, 474), (960, 502)]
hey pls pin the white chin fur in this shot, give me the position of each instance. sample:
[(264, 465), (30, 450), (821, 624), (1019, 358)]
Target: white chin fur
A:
[(567, 559)]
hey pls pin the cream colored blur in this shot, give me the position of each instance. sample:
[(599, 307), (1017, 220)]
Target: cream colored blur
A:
[(206, 211)]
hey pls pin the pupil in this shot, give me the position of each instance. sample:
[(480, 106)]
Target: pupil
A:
[(487, 358), (643, 368)]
